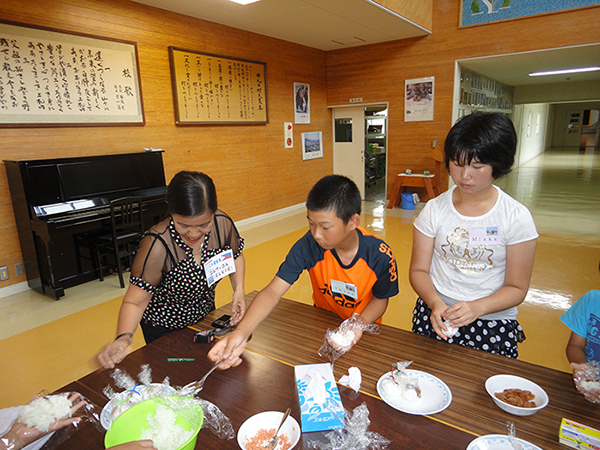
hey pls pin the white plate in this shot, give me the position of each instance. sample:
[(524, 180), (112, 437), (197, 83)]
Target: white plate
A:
[(106, 417), (498, 442), (435, 395)]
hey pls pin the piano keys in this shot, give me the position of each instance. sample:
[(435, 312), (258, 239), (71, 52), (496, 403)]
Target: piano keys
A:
[(55, 200)]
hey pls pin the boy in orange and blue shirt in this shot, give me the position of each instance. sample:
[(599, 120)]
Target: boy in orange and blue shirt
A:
[(351, 270)]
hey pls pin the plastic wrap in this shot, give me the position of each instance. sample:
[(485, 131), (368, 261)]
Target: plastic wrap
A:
[(354, 435), (53, 430), (402, 383), (339, 341), (184, 405), (587, 381), (516, 445), (214, 419)]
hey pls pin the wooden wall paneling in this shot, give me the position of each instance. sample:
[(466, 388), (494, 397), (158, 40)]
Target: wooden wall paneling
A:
[(253, 172), (418, 12), (377, 72)]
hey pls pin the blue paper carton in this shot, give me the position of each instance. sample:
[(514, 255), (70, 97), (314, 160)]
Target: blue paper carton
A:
[(321, 408)]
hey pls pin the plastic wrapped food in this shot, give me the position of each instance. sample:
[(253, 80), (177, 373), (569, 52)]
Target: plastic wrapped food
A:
[(339, 341), (587, 381), (401, 383)]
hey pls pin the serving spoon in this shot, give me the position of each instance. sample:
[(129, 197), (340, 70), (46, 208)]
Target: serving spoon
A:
[(271, 443), (196, 386)]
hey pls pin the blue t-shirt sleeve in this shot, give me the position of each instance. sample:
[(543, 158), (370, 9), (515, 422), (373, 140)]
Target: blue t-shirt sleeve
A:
[(295, 261), (384, 266), (577, 316)]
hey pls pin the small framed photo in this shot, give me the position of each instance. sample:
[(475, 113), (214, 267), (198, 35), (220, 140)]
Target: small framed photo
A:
[(418, 100), (312, 145), (301, 103)]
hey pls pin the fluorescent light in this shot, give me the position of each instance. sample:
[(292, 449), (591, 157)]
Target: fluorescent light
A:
[(244, 2), (560, 72)]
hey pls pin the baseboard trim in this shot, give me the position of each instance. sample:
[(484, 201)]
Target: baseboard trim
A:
[(12, 290), (277, 214)]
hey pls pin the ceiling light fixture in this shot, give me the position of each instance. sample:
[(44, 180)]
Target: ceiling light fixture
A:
[(561, 72), (244, 2)]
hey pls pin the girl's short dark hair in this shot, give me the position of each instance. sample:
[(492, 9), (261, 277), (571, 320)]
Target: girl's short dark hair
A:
[(191, 193), (336, 193), (488, 138)]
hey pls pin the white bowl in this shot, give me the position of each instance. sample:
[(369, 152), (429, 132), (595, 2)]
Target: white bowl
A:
[(269, 420), (498, 383)]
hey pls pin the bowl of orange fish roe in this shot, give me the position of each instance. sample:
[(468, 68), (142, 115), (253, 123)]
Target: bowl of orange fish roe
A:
[(516, 395), (258, 429)]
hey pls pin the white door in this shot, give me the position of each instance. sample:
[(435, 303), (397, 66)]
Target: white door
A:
[(348, 156)]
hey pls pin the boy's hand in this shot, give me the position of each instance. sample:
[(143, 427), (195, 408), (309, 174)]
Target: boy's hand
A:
[(230, 347), (592, 395)]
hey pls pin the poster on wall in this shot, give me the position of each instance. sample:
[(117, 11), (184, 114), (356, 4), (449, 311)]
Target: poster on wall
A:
[(301, 103), (54, 78), (418, 100), (312, 145), (213, 89), (475, 12)]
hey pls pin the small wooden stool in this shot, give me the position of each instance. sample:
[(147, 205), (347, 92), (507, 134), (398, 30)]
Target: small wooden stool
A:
[(412, 180)]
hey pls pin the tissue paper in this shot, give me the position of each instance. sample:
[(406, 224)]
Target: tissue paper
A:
[(353, 379)]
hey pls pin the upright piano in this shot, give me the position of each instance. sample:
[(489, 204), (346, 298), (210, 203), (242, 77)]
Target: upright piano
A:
[(57, 200)]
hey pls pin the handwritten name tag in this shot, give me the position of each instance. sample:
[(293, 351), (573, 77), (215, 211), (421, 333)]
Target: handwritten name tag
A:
[(219, 266), (347, 289)]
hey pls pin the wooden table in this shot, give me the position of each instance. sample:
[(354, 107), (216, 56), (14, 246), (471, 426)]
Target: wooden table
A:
[(260, 384), (412, 180), (293, 333)]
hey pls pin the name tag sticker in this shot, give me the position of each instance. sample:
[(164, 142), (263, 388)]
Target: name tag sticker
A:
[(219, 266), (484, 236), (347, 289)]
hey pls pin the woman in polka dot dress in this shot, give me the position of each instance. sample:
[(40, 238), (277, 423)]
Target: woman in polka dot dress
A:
[(473, 246), (178, 265)]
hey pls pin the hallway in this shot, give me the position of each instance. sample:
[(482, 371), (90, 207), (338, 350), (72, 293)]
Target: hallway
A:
[(45, 343)]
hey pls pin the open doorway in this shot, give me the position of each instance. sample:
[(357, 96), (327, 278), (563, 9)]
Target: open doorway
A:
[(375, 152), (360, 147)]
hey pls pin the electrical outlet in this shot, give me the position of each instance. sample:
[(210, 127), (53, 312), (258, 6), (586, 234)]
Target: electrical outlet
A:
[(19, 269), (27, 266), (3, 273), (356, 100)]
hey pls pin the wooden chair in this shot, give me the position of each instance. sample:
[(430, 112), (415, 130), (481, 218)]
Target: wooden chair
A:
[(430, 182), (126, 230)]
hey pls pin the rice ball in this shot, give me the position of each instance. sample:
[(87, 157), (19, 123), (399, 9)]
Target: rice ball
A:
[(43, 412), (343, 339), (589, 385), (391, 388), (450, 330)]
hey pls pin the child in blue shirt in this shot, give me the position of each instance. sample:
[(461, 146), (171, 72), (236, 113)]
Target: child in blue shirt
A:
[(583, 318)]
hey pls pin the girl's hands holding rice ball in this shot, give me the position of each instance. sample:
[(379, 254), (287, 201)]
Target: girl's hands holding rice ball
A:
[(23, 433)]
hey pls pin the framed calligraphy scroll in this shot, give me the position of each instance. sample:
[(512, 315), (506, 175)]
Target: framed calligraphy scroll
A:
[(213, 89), (54, 78)]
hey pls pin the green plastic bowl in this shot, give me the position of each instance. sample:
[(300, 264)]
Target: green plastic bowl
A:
[(130, 424)]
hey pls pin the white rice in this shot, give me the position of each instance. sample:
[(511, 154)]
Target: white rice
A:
[(590, 385), (343, 339), (163, 431), (450, 331), (43, 412)]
